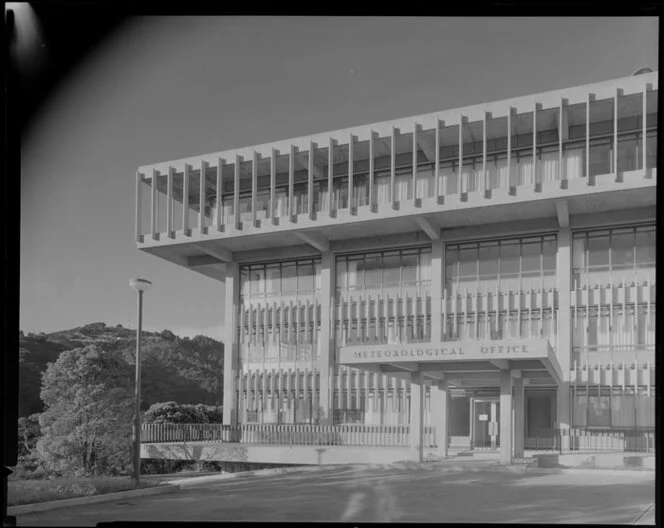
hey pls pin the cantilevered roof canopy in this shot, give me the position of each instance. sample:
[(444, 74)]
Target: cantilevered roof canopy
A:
[(462, 363)]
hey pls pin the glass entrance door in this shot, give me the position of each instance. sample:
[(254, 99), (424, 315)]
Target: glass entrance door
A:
[(485, 420)]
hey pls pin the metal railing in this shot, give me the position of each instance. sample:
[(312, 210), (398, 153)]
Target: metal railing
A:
[(576, 440), (272, 434)]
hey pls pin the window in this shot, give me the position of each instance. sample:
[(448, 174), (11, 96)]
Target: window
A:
[(613, 408), (279, 278), (613, 256), (391, 268), (401, 269), (507, 264)]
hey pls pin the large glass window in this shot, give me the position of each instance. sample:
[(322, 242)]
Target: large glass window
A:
[(613, 408), (396, 271), (612, 256), (278, 279), (520, 263)]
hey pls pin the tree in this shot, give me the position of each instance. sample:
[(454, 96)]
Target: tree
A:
[(86, 425), (28, 434)]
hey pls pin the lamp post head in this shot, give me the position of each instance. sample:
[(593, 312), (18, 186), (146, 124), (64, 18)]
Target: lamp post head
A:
[(140, 285)]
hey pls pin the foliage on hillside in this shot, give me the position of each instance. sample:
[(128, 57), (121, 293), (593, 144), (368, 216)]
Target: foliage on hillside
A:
[(173, 369)]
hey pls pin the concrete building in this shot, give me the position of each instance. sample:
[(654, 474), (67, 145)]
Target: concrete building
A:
[(484, 274)]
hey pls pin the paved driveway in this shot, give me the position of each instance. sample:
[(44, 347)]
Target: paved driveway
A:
[(388, 494)]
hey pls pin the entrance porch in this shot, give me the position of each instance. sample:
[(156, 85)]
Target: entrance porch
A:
[(493, 374)]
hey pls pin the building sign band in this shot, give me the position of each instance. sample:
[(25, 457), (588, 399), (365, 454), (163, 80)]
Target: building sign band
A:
[(447, 351)]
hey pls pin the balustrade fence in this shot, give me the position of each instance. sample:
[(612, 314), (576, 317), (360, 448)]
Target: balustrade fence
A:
[(577, 440), (561, 440), (269, 434)]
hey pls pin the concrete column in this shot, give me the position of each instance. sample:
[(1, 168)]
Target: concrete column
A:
[(565, 323), (185, 200), (231, 344), (563, 414), (589, 180), (439, 415), (219, 193), (154, 205), (416, 429), (254, 187), (169, 203), (236, 192), (437, 285), (564, 278), (327, 353), (644, 114), (519, 416), (291, 176), (202, 189), (139, 188), (393, 169), (310, 181), (505, 417)]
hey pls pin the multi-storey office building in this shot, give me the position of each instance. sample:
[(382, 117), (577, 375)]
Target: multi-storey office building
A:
[(488, 270)]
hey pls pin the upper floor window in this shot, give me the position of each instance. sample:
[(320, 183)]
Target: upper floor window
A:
[(276, 279), (512, 264), (397, 271), (611, 256)]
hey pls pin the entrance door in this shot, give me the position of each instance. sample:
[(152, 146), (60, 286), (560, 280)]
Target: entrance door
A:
[(485, 420)]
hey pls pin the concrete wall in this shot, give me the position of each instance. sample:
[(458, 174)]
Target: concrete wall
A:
[(597, 461), (282, 454)]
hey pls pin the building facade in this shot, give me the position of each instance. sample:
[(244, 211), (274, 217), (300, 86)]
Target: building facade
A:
[(486, 272)]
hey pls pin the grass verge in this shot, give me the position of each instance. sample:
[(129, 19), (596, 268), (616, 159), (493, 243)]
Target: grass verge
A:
[(34, 491)]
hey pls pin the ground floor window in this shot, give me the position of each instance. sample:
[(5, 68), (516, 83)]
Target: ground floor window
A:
[(613, 408)]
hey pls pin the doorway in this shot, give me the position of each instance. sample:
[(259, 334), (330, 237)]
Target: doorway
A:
[(485, 433)]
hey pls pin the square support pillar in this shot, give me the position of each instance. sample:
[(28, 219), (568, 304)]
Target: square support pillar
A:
[(563, 415), (437, 285), (416, 428), (519, 417), (326, 341), (505, 417), (439, 415), (231, 343), (565, 323)]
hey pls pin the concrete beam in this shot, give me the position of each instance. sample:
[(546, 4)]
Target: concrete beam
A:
[(562, 211), (319, 242), (300, 164), (472, 376), (202, 260), (439, 376), (517, 374), (220, 253), (537, 374), (408, 367), (429, 227), (502, 364), (428, 145)]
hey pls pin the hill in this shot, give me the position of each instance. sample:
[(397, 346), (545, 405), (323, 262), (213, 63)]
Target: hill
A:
[(185, 370)]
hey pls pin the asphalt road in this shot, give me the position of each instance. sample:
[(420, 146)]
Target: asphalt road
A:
[(387, 494)]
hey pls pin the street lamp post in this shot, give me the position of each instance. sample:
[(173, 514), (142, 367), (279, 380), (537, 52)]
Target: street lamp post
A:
[(140, 285)]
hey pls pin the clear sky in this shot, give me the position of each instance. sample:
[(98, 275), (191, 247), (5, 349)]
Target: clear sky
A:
[(171, 87)]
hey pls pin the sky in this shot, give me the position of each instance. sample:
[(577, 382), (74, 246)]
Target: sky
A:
[(162, 88)]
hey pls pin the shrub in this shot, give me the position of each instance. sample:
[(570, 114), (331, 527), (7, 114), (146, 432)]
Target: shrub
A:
[(182, 413)]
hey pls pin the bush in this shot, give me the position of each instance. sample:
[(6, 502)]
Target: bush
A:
[(182, 413)]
